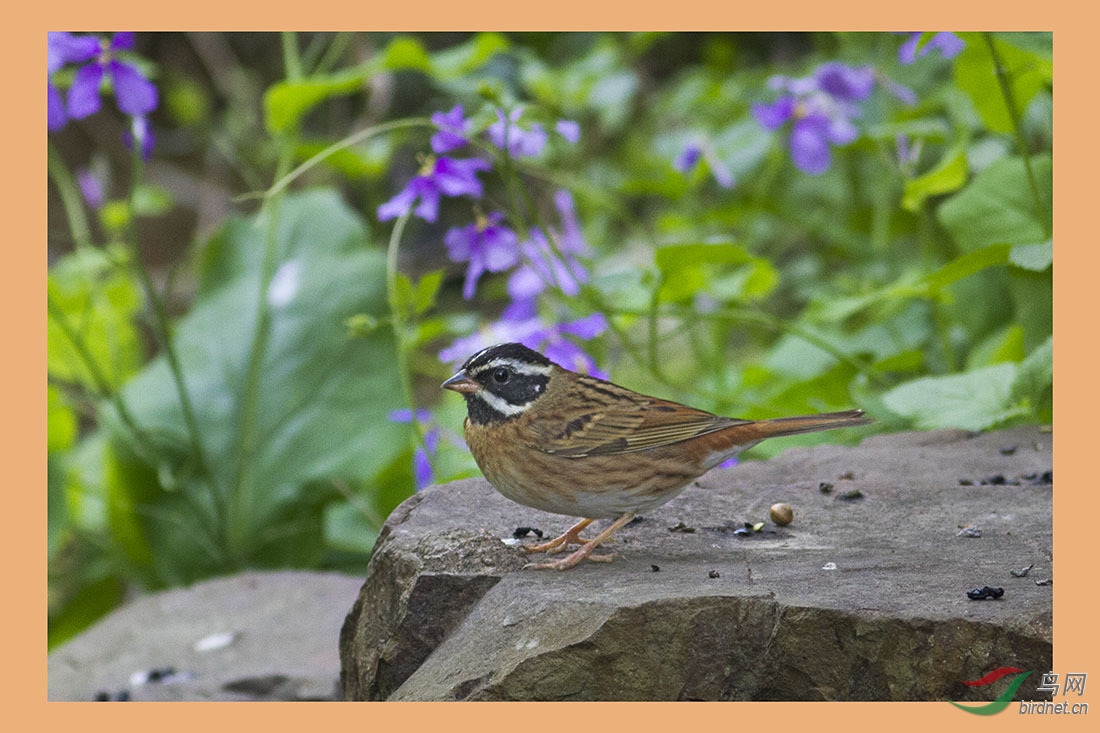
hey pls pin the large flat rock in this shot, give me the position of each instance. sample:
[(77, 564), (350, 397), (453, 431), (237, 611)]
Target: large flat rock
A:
[(691, 610), (252, 636)]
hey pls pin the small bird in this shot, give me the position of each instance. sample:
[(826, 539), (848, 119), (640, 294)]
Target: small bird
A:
[(571, 444)]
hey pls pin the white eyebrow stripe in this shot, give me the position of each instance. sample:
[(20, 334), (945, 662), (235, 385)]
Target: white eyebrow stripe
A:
[(501, 405), (519, 367)]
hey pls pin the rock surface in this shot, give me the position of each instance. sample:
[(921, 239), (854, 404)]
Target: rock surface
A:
[(253, 636), (862, 597)]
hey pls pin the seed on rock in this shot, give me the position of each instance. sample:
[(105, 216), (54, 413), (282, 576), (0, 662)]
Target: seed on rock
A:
[(781, 514)]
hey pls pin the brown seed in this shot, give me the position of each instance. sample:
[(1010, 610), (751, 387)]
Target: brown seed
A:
[(781, 514)]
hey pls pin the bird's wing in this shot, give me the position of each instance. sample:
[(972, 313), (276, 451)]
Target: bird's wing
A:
[(600, 418)]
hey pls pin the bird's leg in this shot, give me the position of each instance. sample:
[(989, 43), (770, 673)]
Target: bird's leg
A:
[(586, 548), (572, 537)]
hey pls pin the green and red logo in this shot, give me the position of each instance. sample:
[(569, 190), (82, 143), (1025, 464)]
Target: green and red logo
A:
[(1001, 702)]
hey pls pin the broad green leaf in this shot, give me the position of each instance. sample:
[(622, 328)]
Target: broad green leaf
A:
[(998, 206), (319, 406), (948, 176), (973, 400), (1026, 72), (1036, 257), (406, 53), (98, 301), (287, 102)]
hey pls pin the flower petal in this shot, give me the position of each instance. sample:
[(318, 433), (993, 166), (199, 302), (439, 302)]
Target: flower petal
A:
[(809, 149), (84, 93), (55, 109), (772, 116), (136, 95)]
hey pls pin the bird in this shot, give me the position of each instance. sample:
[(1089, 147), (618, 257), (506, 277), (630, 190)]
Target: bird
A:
[(572, 444)]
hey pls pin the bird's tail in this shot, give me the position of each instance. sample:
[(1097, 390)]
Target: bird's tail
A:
[(811, 423)]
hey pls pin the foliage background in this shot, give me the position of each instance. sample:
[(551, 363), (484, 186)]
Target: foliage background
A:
[(233, 331)]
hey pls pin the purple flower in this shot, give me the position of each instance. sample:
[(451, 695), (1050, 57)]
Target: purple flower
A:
[(948, 44), (565, 273), (91, 187), (690, 156), (453, 128), (486, 245), (820, 109), (140, 137), (569, 130), (845, 83), (135, 95), (506, 134), (440, 176), (422, 466), (55, 108), (534, 334)]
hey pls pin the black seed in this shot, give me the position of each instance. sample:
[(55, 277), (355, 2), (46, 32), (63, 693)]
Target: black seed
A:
[(1008, 450), (994, 480), (681, 527), (965, 482), (635, 520), (985, 592), (524, 531), (714, 574), (101, 696), (853, 495), (824, 487), (655, 568)]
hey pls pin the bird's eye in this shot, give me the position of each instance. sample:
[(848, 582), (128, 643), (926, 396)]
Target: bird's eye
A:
[(501, 375)]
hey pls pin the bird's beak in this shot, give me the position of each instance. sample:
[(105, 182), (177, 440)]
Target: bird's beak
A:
[(461, 383)]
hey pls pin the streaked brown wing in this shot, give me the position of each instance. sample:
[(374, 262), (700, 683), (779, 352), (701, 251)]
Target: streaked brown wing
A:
[(608, 419)]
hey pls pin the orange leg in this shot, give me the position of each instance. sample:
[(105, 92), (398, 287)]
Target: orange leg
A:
[(586, 548), (572, 537)]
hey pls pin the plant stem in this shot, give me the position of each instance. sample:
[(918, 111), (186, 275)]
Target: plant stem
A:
[(71, 198), (400, 331), (162, 330), (1018, 129)]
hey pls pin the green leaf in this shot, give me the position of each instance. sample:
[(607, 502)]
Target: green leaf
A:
[(1007, 345), (998, 206), (948, 176), (973, 400), (1036, 257), (99, 301), (468, 57), (967, 265), (287, 102), (320, 399), (1027, 73), (688, 269), (1035, 379), (427, 288), (406, 53)]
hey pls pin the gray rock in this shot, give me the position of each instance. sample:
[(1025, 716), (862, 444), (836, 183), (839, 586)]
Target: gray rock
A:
[(446, 613), (253, 636)]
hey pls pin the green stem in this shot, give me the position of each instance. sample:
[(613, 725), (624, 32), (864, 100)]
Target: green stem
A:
[(163, 333), (71, 198), (1018, 129), (285, 180), (292, 58), (400, 330), (103, 386)]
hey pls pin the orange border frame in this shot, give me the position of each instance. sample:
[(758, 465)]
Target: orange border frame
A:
[(24, 670)]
